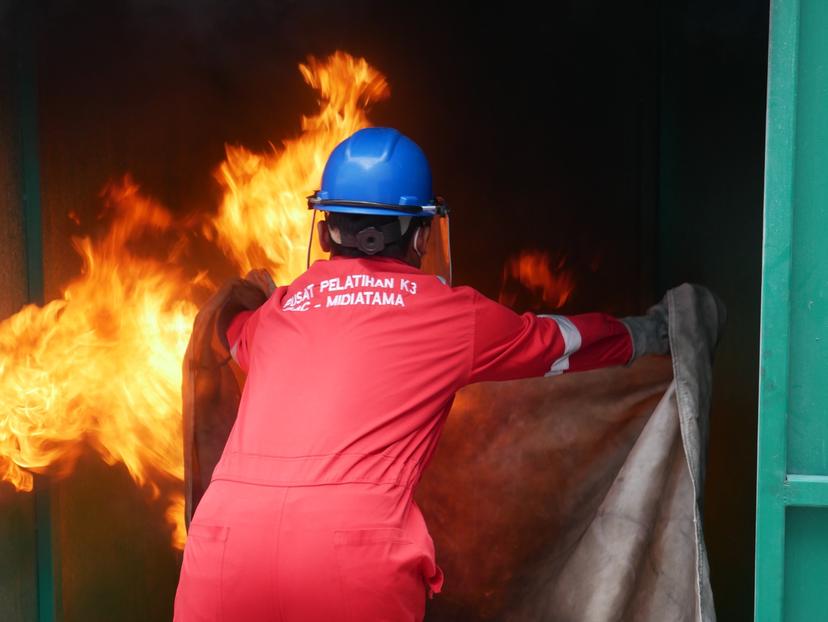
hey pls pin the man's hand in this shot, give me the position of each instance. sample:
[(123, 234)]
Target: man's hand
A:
[(261, 278), (247, 294)]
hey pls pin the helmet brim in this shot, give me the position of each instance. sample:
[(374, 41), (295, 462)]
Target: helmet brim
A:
[(375, 211)]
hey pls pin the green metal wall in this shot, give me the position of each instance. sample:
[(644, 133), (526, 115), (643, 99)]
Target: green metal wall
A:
[(26, 574), (792, 492), (18, 593)]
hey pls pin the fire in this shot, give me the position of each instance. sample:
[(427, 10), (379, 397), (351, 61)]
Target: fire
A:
[(101, 366), (263, 221), (533, 276)]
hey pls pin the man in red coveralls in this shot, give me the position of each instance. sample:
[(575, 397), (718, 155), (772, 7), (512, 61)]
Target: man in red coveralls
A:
[(351, 372)]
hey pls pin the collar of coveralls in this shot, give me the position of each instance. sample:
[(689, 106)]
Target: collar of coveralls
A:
[(391, 263)]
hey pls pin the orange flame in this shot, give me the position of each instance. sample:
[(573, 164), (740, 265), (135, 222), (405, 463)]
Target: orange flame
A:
[(263, 221), (533, 271), (102, 365)]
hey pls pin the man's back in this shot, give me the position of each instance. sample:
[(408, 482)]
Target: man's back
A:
[(353, 366)]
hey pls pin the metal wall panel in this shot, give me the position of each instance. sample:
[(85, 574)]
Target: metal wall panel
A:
[(792, 492), (18, 572)]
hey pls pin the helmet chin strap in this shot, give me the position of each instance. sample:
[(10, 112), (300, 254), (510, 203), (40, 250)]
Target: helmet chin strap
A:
[(414, 242)]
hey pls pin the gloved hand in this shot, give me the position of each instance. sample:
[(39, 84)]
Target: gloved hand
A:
[(239, 295), (261, 278), (649, 332)]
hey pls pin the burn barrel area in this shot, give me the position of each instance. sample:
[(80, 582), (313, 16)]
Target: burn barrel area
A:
[(623, 139)]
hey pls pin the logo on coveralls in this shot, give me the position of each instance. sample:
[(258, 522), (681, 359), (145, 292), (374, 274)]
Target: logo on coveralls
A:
[(355, 289)]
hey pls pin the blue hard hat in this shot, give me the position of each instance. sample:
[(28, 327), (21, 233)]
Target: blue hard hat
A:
[(377, 170)]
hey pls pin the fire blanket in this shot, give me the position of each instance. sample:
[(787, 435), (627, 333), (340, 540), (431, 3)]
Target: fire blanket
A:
[(546, 500)]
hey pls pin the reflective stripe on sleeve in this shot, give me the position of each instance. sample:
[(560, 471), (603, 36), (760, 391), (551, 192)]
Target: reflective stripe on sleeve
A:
[(572, 343)]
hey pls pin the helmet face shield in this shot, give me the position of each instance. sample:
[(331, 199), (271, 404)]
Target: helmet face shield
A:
[(314, 249), (437, 258)]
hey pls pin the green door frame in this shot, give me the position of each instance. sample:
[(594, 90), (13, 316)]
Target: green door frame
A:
[(792, 477)]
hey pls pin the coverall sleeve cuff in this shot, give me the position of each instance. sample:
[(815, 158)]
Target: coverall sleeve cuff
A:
[(634, 354)]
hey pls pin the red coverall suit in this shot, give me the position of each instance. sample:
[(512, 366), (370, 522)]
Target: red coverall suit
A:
[(351, 372)]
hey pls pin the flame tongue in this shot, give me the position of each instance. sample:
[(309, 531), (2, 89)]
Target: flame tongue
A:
[(103, 363), (263, 221), (529, 277)]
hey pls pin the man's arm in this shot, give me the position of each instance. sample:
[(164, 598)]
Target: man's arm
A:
[(509, 346)]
